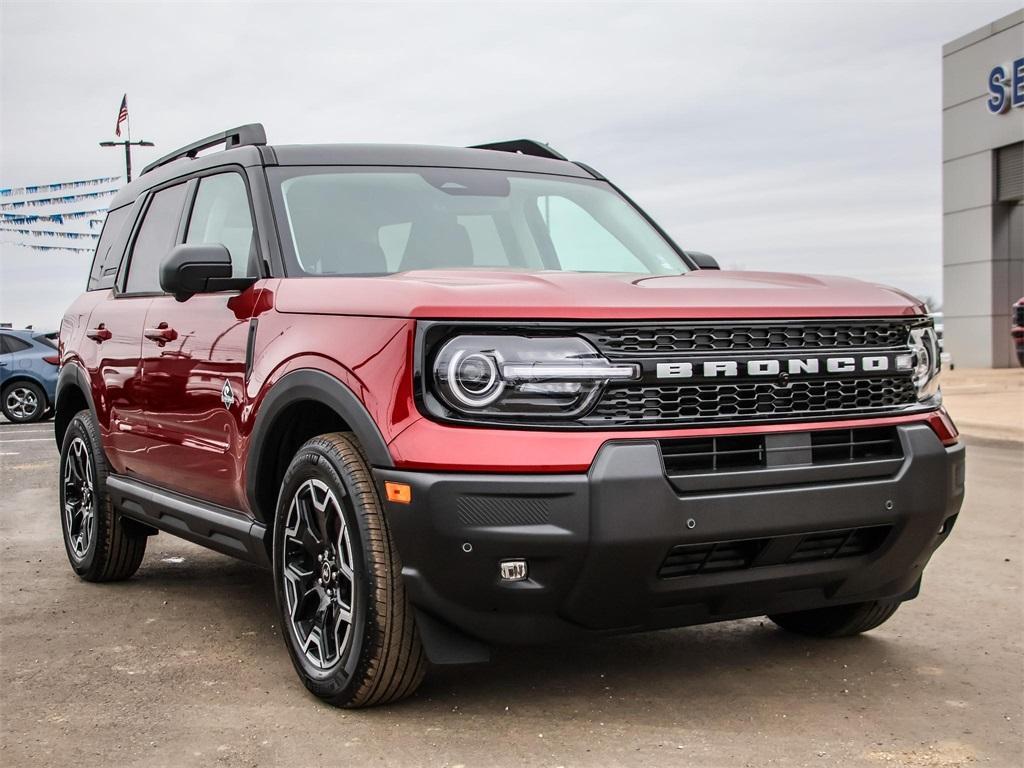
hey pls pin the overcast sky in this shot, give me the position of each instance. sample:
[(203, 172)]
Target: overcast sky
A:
[(791, 137)]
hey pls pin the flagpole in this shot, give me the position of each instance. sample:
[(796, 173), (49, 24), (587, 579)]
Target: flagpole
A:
[(127, 142)]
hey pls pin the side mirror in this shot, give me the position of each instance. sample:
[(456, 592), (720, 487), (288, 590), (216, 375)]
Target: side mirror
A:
[(191, 269), (702, 260)]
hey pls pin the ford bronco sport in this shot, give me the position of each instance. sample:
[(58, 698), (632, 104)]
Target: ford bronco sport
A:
[(457, 398)]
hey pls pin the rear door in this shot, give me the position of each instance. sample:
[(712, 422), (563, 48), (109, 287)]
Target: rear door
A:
[(194, 355), (112, 341)]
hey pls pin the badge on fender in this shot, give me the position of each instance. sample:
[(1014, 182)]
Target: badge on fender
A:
[(227, 395)]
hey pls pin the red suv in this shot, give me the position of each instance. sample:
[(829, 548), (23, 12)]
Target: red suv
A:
[(465, 397)]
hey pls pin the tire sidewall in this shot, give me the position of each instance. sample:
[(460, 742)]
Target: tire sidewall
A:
[(344, 678), (41, 404), (80, 427)]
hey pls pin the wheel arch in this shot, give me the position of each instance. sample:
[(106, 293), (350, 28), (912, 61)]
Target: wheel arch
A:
[(73, 394), (302, 404), (23, 376)]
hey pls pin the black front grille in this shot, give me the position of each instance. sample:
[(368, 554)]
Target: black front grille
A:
[(639, 405), (685, 560), (741, 554), (664, 339), (838, 445), (831, 544), (737, 453), (713, 454), (1018, 314)]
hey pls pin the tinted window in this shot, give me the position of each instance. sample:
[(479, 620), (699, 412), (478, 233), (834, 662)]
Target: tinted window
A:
[(108, 257), (12, 344), (155, 239), (221, 215), (49, 340)]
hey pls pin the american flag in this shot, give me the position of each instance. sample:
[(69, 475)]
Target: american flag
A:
[(122, 115)]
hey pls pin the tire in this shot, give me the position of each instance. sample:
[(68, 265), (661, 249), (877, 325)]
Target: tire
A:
[(838, 621), (345, 618), (23, 402), (100, 545)]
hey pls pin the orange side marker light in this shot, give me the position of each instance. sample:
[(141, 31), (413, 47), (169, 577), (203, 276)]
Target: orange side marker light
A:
[(400, 493)]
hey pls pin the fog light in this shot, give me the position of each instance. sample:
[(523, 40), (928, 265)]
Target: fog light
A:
[(513, 570)]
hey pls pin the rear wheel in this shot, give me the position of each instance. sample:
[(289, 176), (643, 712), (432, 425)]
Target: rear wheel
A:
[(100, 545), (839, 620), (346, 621), (23, 402)]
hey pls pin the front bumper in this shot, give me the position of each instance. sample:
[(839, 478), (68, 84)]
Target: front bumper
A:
[(597, 543)]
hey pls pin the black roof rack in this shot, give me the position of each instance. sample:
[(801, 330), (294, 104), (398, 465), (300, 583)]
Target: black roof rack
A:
[(242, 136), (523, 147)]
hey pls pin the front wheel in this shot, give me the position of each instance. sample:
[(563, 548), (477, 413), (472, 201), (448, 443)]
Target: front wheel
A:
[(839, 620), (345, 618), (23, 402)]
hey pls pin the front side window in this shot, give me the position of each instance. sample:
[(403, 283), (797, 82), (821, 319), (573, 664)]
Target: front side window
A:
[(155, 240), (221, 215), (373, 221)]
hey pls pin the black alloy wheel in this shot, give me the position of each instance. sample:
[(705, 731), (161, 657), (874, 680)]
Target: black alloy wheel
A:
[(319, 576)]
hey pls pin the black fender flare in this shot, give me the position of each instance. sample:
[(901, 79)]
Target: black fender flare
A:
[(311, 384), (71, 375)]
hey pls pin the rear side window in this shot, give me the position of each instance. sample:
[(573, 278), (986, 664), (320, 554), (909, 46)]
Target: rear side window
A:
[(9, 344), (155, 240), (49, 340), (108, 255), (221, 215)]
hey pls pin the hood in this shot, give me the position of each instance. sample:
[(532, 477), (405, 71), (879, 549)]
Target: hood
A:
[(501, 294)]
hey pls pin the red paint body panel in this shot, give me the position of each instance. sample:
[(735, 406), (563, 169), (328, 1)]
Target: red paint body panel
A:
[(191, 438), (500, 294)]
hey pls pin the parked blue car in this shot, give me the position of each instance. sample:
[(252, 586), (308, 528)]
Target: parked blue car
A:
[(28, 374)]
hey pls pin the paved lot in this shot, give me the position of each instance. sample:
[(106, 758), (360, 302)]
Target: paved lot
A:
[(183, 666)]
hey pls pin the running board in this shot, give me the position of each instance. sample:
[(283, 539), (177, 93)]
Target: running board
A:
[(200, 522)]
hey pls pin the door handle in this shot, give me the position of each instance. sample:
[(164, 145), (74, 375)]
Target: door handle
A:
[(161, 334), (99, 334)]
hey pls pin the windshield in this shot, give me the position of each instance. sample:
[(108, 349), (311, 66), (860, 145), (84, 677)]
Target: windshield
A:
[(375, 221)]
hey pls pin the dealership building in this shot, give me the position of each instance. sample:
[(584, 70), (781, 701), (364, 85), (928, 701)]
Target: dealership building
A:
[(983, 191)]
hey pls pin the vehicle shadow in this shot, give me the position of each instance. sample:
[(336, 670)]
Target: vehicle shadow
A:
[(712, 666)]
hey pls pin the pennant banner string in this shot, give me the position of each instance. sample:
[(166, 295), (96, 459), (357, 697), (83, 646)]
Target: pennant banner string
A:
[(34, 247), (52, 233), (38, 202), (60, 218), (37, 188)]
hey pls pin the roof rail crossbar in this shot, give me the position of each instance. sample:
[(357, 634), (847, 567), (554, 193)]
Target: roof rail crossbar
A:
[(242, 136), (523, 147)]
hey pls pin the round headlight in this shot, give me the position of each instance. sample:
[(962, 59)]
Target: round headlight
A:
[(925, 373), (922, 365), (473, 378), (509, 378)]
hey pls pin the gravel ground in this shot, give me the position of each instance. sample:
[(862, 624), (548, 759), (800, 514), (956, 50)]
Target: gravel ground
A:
[(183, 666)]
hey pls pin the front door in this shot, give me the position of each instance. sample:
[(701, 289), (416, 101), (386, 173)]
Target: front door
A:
[(194, 357)]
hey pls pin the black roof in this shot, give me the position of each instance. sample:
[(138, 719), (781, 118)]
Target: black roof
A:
[(401, 155)]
